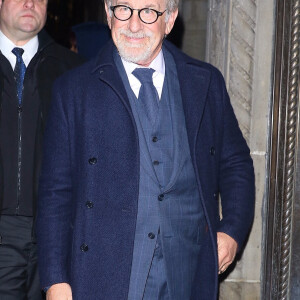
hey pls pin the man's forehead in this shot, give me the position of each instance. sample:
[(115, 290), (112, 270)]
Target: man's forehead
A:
[(141, 3)]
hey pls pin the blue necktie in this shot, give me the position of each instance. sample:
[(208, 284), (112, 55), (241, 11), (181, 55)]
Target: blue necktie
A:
[(19, 71), (148, 94)]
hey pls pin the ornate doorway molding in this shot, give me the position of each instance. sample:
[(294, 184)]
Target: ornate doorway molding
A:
[(281, 239)]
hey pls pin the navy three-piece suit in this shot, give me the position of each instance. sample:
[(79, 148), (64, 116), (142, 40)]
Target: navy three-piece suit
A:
[(105, 210)]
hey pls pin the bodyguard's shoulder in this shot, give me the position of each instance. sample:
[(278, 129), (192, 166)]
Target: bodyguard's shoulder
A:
[(63, 54)]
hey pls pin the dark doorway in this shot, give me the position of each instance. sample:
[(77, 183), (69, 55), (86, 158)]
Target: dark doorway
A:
[(63, 14)]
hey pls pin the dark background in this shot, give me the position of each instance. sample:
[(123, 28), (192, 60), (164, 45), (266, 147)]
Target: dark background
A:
[(63, 14)]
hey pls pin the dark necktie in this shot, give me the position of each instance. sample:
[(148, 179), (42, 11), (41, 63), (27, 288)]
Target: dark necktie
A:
[(148, 94), (19, 71)]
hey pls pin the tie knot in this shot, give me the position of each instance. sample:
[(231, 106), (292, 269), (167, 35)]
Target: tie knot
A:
[(18, 52), (144, 75)]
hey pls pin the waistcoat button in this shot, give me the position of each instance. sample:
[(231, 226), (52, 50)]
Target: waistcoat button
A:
[(151, 235), (161, 197)]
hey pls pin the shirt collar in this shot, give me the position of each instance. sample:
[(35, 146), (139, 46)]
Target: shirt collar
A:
[(30, 49), (158, 64)]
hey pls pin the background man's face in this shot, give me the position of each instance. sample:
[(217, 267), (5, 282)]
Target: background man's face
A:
[(20, 20), (136, 41)]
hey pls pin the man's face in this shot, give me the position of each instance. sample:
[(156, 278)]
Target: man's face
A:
[(21, 20), (136, 41)]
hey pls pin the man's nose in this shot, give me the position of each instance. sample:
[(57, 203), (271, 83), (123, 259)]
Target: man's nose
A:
[(135, 24), (29, 3)]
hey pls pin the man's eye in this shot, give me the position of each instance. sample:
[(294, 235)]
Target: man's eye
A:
[(124, 9), (147, 11)]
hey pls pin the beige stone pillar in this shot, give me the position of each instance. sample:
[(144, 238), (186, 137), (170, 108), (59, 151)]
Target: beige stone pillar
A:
[(194, 15)]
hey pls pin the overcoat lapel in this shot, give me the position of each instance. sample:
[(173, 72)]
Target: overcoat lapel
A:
[(194, 83), (177, 117), (193, 88), (106, 70)]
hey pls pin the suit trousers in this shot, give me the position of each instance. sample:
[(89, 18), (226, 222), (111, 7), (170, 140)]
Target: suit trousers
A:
[(156, 286), (18, 260)]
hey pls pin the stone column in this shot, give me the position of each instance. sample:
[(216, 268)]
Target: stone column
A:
[(194, 15), (240, 43)]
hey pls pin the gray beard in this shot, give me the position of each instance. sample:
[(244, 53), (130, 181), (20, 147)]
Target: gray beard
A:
[(124, 47)]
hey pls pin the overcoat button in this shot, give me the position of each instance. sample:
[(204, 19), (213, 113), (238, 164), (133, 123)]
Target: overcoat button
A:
[(156, 163), (161, 197), (212, 151), (92, 160), (84, 247), (154, 139), (151, 235), (89, 204)]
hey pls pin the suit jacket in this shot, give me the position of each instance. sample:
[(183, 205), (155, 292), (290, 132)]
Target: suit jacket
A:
[(90, 176), (169, 201), (50, 61)]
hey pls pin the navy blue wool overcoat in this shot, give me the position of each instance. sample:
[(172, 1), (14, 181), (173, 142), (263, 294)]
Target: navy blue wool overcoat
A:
[(90, 177)]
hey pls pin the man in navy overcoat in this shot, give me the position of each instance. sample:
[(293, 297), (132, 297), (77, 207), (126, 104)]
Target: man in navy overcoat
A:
[(141, 144)]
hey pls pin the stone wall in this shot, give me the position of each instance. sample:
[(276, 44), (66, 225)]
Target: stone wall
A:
[(194, 15)]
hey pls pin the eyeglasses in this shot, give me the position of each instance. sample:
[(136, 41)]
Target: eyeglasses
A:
[(146, 15)]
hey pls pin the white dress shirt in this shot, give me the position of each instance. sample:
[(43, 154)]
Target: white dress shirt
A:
[(30, 49), (158, 64)]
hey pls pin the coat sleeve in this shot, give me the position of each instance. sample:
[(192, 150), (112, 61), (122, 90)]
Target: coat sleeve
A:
[(236, 176), (55, 195)]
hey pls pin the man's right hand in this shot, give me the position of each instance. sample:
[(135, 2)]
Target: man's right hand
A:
[(60, 291)]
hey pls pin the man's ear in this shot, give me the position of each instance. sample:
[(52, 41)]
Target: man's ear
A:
[(108, 17), (170, 23)]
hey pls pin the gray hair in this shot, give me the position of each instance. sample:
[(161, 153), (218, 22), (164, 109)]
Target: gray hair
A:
[(172, 5)]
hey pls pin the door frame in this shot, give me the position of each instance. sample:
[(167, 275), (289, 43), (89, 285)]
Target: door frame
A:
[(283, 145)]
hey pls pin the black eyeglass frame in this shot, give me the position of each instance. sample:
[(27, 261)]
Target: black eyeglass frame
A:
[(158, 13)]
